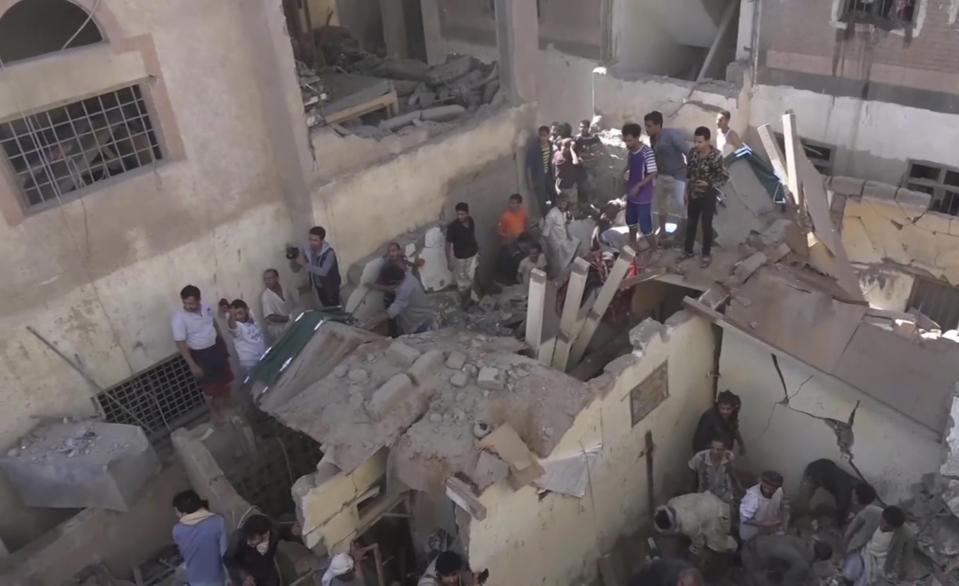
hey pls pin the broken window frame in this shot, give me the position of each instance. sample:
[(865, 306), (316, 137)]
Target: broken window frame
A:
[(820, 154), (945, 195), (885, 14), (62, 153)]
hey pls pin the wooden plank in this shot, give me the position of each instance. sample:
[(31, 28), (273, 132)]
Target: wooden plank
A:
[(388, 101), (775, 155), (535, 308), (791, 140), (569, 319), (601, 304)]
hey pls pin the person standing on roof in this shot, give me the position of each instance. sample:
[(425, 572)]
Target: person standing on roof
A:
[(247, 337), (462, 251), (727, 139), (640, 176), (277, 305), (670, 148), (539, 169), (411, 307), (705, 173), (319, 260)]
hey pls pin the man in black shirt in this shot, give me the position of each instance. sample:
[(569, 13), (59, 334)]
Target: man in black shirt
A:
[(462, 251), (251, 556)]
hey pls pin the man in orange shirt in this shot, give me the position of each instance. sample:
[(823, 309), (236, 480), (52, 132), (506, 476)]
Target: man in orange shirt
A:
[(512, 225)]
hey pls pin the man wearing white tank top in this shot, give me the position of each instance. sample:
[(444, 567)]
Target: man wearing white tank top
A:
[(727, 140)]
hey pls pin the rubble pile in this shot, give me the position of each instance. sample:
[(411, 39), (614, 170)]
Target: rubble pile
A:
[(412, 92), (499, 314)]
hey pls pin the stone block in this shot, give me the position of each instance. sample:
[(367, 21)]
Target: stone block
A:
[(403, 353), (427, 365), (390, 394), (879, 190), (456, 360), (81, 464), (847, 185), (459, 379), (915, 199), (489, 378)]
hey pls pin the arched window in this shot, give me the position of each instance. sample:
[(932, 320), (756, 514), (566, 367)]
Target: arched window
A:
[(36, 27)]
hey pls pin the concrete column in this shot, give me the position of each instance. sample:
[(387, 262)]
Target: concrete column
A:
[(517, 38), (394, 28), (432, 31)]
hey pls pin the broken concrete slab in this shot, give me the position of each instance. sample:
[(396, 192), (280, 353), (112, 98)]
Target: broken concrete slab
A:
[(396, 389), (745, 268), (506, 443), (460, 493), (950, 467), (81, 464), (849, 186), (489, 378)]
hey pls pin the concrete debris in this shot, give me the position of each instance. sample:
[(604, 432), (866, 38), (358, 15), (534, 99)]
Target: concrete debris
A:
[(385, 398), (456, 360), (490, 469), (358, 375), (402, 353), (341, 370), (489, 378), (506, 443), (459, 379), (460, 493)]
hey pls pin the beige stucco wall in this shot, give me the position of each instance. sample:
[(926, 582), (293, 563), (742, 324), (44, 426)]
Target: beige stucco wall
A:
[(553, 541), (891, 451)]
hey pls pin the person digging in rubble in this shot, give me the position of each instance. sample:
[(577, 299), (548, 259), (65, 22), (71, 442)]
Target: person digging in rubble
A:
[(666, 572), (535, 259), (705, 174), (200, 344), (394, 256), (783, 560), (699, 516), (277, 305), (251, 556), (201, 538), (712, 471), (829, 491), (341, 572), (567, 163), (640, 175), (448, 569), (886, 557), (763, 510), (247, 337), (722, 419), (462, 251), (319, 260), (865, 521), (539, 169), (411, 307), (670, 148)]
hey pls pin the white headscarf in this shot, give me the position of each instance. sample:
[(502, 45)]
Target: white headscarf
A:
[(339, 565)]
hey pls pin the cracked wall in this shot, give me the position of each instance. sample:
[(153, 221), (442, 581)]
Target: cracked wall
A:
[(889, 449), (557, 539)]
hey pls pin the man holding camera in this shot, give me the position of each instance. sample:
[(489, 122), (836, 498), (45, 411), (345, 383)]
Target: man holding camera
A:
[(319, 259)]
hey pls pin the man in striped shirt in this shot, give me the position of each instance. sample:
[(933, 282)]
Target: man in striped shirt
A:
[(640, 174)]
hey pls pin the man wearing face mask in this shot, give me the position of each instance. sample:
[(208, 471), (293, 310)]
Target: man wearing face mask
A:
[(252, 555)]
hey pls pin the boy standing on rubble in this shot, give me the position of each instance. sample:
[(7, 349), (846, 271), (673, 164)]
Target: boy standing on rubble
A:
[(705, 174), (319, 260), (462, 251), (670, 148), (640, 175)]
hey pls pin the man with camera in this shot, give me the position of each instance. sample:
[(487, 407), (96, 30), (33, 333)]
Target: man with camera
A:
[(319, 260)]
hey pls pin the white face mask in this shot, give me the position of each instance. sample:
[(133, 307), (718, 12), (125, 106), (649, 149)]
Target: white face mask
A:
[(263, 547)]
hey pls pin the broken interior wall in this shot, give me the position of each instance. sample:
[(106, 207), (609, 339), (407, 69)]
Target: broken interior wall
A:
[(557, 539), (641, 42), (364, 210), (121, 540), (211, 213), (890, 449)]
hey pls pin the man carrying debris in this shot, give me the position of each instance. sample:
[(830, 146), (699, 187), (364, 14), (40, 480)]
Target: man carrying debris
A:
[(277, 305), (782, 560), (539, 169), (700, 516), (201, 346), (247, 337), (721, 419), (763, 509), (886, 557), (252, 554), (411, 307), (319, 260), (201, 538), (462, 251), (705, 174), (712, 471), (448, 569), (670, 148), (640, 176)]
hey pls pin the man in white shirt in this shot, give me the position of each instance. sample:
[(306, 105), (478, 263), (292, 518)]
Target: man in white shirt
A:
[(247, 337), (763, 508), (277, 305), (201, 346)]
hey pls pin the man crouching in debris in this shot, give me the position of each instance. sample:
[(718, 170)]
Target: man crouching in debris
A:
[(763, 509), (448, 569), (701, 517), (783, 560), (886, 557), (411, 307)]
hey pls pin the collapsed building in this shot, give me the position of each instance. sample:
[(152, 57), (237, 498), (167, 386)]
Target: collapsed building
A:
[(834, 320)]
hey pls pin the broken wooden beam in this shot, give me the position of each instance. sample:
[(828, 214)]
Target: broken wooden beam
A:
[(535, 308), (569, 323), (775, 155), (601, 304), (791, 141)]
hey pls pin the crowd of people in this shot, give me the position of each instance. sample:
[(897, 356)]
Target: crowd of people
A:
[(721, 518)]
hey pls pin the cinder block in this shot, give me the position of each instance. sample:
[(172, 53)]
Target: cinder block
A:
[(81, 464), (456, 360), (403, 353), (427, 365), (488, 378), (390, 394)]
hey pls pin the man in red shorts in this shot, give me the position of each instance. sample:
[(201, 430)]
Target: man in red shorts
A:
[(199, 342)]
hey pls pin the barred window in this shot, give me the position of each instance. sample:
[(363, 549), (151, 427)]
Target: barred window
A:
[(880, 12), (59, 152), (939, 181)]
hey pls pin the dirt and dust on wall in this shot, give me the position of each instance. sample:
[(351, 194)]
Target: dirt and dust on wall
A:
[(358, 92)]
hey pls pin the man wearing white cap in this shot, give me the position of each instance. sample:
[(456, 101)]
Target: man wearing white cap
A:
[(341, 572)]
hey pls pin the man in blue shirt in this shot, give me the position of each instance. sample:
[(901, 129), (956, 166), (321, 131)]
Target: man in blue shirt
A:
[(640, 175), (670, 147), (201, 537)]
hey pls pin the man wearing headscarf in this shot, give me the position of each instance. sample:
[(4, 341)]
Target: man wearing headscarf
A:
[(700, 516), (763, 509), (341, 572), (721, 419)]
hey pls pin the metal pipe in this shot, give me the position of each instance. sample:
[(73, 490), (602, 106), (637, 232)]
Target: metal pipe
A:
[(727, 19)]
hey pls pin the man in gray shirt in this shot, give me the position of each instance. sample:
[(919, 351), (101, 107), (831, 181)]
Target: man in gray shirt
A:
[(411, 307), (670, 148)]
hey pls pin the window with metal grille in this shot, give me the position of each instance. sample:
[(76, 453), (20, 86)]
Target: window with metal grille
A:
[(887, 13), (939, 181), (56, 153), (162, 398), (937, 301), (819, 154)]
